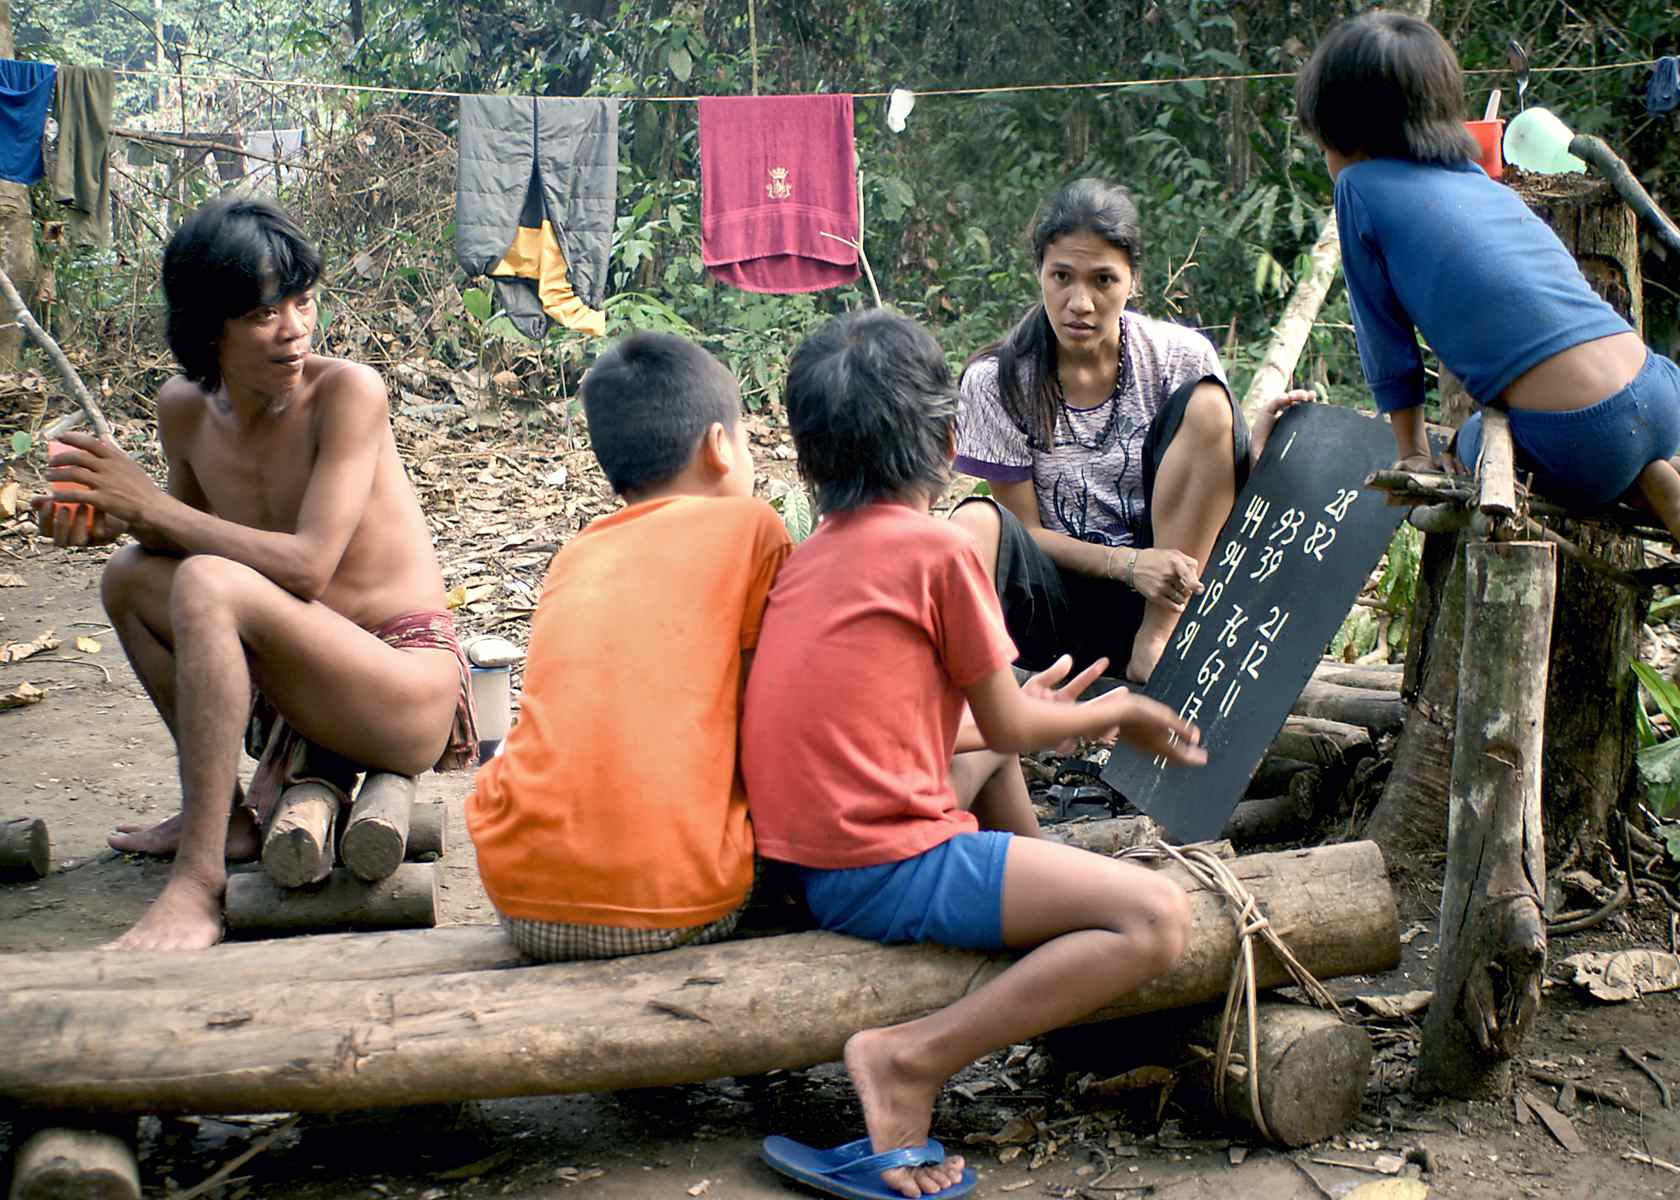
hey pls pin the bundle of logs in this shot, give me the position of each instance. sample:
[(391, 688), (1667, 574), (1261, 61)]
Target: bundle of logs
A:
[(375, 885)]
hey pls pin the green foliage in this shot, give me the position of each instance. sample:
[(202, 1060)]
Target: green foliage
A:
[(795, 507), (1361, 632), (22, 443), (1658, 762)]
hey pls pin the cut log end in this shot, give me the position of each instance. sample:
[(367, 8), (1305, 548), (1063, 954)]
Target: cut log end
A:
[(1313, 1069), (25, 849), (58, 1164), (376, 834), (297, 848)]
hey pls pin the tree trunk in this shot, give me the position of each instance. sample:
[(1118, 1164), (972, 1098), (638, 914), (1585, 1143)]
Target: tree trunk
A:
[(312, 1042), (17, 231), (1492, 957)]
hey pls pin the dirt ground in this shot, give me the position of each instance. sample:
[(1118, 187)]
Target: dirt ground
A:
[(93, 753)]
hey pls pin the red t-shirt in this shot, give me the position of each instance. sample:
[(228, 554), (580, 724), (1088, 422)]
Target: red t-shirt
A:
[(616, 799), (875, 625)]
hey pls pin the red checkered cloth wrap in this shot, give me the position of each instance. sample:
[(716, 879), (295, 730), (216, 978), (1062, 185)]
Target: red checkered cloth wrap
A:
[(285, 757)]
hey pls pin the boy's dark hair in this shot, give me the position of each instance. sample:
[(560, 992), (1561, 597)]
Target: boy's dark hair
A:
[(871, 405), (1387, 84), (648, 400), (227, 258), (1093, 206)]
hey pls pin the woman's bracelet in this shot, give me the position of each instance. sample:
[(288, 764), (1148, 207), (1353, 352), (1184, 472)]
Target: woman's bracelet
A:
[(1131, 571)]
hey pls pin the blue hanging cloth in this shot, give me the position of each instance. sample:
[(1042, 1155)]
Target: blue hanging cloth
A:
[(1662, 93), (26, 88)]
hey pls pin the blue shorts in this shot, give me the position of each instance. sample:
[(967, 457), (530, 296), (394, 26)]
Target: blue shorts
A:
[(951, 894), (1593, 455)]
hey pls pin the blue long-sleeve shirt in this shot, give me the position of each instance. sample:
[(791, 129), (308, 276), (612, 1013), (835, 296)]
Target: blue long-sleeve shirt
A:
[(1447, 252)]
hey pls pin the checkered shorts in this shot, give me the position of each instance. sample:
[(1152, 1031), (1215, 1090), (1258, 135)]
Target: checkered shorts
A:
[(549, 941)]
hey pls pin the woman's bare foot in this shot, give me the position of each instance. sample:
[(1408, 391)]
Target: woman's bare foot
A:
[(897, 1110), (164, 838), (187, 915)]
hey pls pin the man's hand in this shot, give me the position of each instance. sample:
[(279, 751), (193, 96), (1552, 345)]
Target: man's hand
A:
[(1048, 685), (72, 523), (104, 477)]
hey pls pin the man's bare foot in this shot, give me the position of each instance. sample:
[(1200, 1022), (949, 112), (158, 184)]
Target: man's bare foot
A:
[(187, 915), (163, 839), (897, 1110)]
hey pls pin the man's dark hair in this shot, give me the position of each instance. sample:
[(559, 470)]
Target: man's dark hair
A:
[(227, 258), (648, 400), (1388, 84), (871, 405)]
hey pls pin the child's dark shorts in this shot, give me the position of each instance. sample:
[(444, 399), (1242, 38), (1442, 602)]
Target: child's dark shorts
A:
[(951, 894), (1593, 455)]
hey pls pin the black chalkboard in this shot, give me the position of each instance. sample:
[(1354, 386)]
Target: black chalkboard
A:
[(1301, 541)]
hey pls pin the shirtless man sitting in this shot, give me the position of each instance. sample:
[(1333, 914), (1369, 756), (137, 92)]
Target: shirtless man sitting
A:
[(288, 553)]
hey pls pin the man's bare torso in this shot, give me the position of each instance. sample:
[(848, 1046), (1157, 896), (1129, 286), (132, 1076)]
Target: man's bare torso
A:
[(258, 474)]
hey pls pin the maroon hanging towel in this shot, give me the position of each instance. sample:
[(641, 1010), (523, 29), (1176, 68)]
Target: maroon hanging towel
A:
[(776, 173)]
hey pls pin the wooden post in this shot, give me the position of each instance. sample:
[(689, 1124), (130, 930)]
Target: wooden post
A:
[(317, 1041), (75, 1164), (1493, 927), (25, 849), (298, 845), (376, 835), (405, 899)]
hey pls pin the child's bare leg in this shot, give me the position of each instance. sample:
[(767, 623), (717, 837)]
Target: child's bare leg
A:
[(1101, 928), (1194, 491), (1659, 483), (991, 786)]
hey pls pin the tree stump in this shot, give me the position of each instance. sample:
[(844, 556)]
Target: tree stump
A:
[(1493, 928), (25, 849), (75, 1164)]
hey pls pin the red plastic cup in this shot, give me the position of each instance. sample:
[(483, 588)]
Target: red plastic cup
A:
[(1489, 136), (68, 511)]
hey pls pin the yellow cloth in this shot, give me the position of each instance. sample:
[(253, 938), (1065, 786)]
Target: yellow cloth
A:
[(536, 255)]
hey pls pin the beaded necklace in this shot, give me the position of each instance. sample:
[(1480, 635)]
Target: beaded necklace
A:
[(1063, 409)]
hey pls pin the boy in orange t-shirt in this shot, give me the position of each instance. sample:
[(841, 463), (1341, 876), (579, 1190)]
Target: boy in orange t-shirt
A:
[(614, 820)]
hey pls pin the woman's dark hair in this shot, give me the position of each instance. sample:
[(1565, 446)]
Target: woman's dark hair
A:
[(230, 256), (648, 400), (1388, 84), (871, 405), (1092, 206)]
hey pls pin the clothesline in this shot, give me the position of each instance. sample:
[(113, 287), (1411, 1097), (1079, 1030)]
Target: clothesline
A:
[(1000, 89)]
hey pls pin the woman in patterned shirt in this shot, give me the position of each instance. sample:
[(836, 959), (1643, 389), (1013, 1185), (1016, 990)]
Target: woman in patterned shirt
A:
[(1112, 445)]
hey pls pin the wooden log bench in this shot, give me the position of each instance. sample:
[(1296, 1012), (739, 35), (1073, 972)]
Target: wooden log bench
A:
[(370, 1020)]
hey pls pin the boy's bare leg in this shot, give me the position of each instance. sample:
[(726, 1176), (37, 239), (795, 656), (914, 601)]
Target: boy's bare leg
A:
[(1194, 491), (1659, 484), (337, 685), (135, 589), (991, 786), (1101, 928)]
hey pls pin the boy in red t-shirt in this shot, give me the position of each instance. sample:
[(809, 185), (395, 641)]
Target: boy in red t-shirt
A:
[(880, 627), (614, 821)]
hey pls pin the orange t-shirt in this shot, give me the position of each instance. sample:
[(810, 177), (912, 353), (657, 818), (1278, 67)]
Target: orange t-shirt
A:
[(617, 798), (877, 622)]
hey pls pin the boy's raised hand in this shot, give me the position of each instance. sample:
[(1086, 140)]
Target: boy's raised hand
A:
[(1048, 685), (1152, 727)]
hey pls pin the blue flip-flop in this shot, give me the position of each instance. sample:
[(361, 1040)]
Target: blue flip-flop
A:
[(853, 1171)]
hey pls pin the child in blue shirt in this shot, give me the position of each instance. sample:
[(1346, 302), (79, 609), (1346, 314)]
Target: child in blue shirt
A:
[(1431, 245)]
